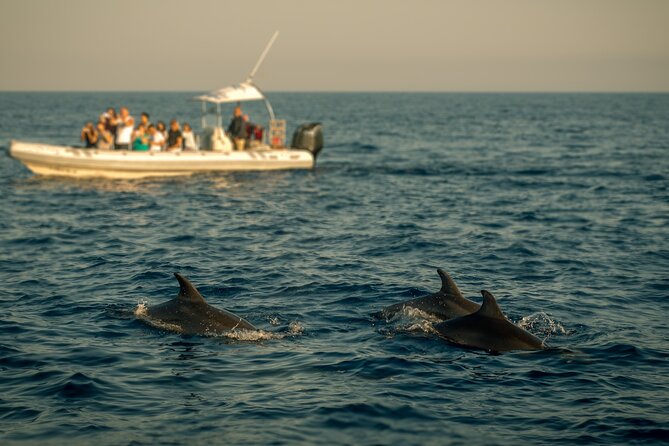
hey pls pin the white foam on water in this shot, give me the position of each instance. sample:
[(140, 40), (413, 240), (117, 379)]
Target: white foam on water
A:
[(424, 326), (415, 314), (541, 324), (294, 329), (141, 312), (245, 335), (411, 320)]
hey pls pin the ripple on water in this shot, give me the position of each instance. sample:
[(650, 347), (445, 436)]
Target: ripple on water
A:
[(556, 200)]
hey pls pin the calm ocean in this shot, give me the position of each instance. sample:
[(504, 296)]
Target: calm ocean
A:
[(556, 203)]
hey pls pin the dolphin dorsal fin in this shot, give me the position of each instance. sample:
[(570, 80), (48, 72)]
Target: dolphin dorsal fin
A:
[(448, 286), (489, 308), (187, 291)]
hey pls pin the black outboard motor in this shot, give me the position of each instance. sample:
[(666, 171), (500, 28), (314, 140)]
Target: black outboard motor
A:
[(309, 137)]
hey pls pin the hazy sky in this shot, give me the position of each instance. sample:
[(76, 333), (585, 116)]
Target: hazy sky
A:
[(335, 45)]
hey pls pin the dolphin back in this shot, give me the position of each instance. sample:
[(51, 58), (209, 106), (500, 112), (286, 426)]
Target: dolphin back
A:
[(445, 304), (190, 314), (488, 329), (212, 321)]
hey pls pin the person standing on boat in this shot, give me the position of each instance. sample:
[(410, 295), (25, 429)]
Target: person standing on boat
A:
[(237, 129), (110, 120), (90, 135), (175, 139), (105, 139), (144, 119), (126, 125)]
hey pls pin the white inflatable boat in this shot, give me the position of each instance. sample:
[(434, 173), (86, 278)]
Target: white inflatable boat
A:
[(216, 152), (47, 159)]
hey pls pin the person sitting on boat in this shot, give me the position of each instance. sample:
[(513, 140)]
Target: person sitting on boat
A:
[(140, 141), (237, 129), (126, 125), (189, 137), (156, 139), (252, 139), (175, 139), (89, 134), (105, 139), (160, 126)]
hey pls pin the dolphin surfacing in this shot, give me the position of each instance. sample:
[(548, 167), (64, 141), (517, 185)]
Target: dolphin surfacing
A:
[(445, 304), (190, 314), (488, 329)]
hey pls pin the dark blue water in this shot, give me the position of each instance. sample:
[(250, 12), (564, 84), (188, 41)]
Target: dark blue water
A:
[(558, 204)]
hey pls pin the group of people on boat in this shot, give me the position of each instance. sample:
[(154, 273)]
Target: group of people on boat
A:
[(117, 131)]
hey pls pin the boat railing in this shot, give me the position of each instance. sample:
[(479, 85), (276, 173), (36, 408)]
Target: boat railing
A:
[(277, 133)]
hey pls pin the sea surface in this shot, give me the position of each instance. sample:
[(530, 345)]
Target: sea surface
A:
[(556, 203)]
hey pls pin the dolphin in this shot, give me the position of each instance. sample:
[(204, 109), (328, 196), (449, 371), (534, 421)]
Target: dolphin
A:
[(190, 314), (445, 304), (488, 329)]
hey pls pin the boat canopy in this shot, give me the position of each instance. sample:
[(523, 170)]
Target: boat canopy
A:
[(245, 91)]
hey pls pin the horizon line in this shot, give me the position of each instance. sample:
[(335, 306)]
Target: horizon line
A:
[(367, 91)]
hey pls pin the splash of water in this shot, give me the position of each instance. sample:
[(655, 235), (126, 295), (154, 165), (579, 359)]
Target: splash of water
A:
[(410, 320), (424, 326), (413, 314), (294, 328), (541, 324), (141, 312)]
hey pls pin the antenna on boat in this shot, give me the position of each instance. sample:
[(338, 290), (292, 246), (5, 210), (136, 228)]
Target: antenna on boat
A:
[(262, 56)]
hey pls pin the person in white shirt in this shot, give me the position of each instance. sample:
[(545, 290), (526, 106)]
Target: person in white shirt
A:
[(124, 131), (157, 140), (160, 126), (188, 137)]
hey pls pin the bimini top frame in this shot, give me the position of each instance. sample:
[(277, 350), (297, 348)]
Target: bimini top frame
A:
[(245, 91)]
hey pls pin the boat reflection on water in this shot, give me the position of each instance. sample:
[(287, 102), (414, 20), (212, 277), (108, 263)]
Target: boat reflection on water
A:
[(236, 183)]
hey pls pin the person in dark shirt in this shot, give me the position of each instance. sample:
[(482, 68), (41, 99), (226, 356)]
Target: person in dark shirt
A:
[(90, 135), (174, 137), (144, 120), (253, 131), (237, 129), (111, 122)]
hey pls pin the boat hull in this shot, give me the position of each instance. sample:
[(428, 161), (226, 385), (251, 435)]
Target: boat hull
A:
[(45, 159)]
